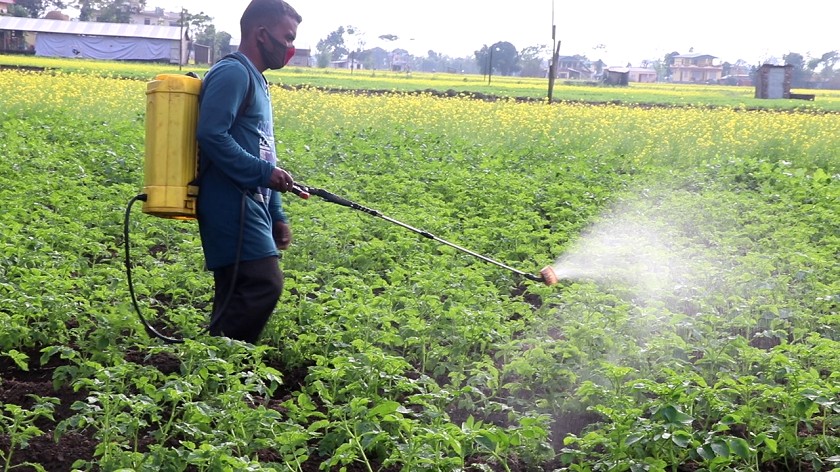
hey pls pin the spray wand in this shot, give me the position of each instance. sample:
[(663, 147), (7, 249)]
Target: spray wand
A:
[(547, 275)]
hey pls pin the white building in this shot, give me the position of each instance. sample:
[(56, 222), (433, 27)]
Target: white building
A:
[(157, 17), (110, 41)]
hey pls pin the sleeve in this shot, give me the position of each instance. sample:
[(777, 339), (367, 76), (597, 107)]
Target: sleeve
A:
[(276, 208), (221, 95)]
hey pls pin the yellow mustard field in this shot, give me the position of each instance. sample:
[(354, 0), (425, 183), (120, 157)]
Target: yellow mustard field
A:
[(678, 135)]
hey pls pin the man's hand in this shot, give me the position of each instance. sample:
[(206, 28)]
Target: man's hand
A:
[(281, 180), (282, 235)]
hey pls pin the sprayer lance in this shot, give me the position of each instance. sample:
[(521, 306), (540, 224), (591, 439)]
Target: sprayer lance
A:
[(546, 276)]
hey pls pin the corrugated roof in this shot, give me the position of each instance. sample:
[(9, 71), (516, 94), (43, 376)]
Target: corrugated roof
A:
[(8, 1), (695, 55), (122, 30)]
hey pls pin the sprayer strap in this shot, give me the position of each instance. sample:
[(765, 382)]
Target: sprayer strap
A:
[(243, 107)]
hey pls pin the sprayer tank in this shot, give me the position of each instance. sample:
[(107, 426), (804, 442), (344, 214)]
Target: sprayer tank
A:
[(171, 148)]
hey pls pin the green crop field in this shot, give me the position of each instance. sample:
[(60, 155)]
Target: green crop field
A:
[(664, 94), (696, 326)]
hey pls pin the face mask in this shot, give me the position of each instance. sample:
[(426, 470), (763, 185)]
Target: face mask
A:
[(281, 55)]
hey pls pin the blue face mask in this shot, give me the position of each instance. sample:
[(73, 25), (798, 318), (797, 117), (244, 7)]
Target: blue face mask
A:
[(281, 55)]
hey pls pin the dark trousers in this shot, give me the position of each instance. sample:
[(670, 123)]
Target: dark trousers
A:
[(257, 289)]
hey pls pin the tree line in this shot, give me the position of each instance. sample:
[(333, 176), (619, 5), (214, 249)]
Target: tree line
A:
[(347, 43)]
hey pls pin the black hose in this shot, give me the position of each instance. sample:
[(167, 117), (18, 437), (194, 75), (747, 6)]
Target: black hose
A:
[(149, 329), (217, 313)]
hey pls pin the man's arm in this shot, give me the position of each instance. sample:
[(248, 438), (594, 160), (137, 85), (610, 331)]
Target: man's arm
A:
[(222, 95)]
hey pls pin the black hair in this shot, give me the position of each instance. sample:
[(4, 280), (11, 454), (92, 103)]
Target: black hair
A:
[(266, 12)]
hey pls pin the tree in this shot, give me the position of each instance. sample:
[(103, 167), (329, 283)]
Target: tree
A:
[(222, 44), (323, 60), (196, 23), (34, 8), (108, 11), (800, 72), (669, 61), (531, 60), (727, 67), (331, 48), (16, 11), (828, 60), (357, 43), (482, 58), (505, 58), (219, 41)]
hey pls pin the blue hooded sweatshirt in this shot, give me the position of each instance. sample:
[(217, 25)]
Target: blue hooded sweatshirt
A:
[(236, 153)]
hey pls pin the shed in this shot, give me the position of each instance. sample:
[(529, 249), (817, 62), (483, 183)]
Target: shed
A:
[(636, 74), (773, 81), (616, 77), (110, 41), (301, 58)]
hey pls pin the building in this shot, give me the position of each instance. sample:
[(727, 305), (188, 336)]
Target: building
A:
[(5, 5), (696, 68), (347, 64), (636, 74), (773, 81), (109, 41), (399, 62), (156, 17), (302, 58), (570, 67)]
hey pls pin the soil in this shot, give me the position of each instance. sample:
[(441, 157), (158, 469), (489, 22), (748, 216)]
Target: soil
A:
[(531, 298), (54, 457), (59, 456)]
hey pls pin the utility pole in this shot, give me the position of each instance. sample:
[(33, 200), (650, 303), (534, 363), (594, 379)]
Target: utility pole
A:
[(490, 69), (181, 43), (552, 67)]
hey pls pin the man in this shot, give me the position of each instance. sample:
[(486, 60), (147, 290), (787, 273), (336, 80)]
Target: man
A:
[(237, 155)]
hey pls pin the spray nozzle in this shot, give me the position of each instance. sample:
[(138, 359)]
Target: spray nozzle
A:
[(300, 191), (549, 277)]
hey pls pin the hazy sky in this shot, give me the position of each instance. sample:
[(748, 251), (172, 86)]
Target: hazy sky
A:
[(631, 30)]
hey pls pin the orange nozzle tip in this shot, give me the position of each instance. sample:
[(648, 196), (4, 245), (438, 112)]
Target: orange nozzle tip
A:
[(304, 195), (549, 277)]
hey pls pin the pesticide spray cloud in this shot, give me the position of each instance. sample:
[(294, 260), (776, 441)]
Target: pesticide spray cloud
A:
[(624, 248)]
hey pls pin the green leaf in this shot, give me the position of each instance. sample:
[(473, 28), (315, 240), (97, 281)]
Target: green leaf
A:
[(485, 440), (383, 409), (675, 416), (720, 447), (681, 438), (705, 451), (20, 359), (740, 447), (771, 444), (632, 439)]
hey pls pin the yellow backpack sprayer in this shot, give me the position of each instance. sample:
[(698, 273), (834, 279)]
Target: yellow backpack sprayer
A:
[(171, 178)]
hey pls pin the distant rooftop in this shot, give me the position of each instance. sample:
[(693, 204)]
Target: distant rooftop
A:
[(696, 55), (632, 69), (123, 30)]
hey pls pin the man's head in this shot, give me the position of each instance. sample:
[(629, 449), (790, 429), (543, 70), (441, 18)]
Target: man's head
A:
[(270, 27)]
